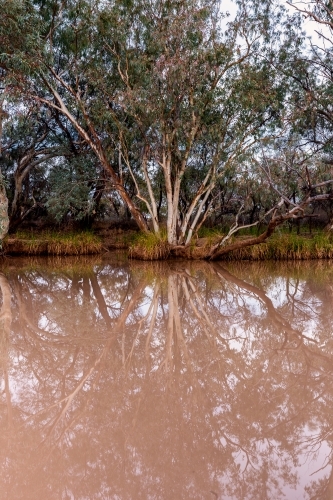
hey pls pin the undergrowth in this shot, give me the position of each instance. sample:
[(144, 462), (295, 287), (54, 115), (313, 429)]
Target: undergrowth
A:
[(54, 243), (150, 246), (287, 246), (280, 246)]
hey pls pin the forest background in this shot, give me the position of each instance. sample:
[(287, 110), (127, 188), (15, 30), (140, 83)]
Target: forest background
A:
[(169, 116)]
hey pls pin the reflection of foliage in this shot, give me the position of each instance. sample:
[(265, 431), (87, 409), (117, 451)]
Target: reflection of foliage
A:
[(133, 385)]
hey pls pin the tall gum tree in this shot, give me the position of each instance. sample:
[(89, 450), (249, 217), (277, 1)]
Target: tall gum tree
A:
[(314, 82), (19, 41), (47, 54), (4, 218), (163, 93), (204, 94), (200, 97), (158, 89)]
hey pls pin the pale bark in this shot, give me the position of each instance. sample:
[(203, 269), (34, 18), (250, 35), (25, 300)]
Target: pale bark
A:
[(25, 165), (166, 166), (153, 210), (94, 143), (198, 214), (4, 219), (151, 206), (173, 191)]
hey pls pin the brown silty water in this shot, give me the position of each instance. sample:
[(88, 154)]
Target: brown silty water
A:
[(127, 380)]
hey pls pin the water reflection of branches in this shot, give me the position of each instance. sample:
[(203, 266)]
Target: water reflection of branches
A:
[(194, 361), (5, 323)]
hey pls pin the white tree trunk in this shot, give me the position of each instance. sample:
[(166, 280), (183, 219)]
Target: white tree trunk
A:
[(4, 219)]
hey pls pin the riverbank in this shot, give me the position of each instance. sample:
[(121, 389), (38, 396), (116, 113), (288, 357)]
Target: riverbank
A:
[(287, 246), (280, 246), (53, 243)]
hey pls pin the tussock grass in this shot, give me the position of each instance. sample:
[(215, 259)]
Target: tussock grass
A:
[(74, 244), (280, 246), (52, 243), (150, 246), (287, 246)]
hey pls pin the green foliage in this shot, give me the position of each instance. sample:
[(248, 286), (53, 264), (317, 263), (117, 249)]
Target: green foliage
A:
[(70, 192), (20, 40)]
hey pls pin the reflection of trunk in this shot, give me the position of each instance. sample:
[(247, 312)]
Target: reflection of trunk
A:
[(329, 489), (5, 323), (173, 319), (103, 309), (175, 334), (115, 328)]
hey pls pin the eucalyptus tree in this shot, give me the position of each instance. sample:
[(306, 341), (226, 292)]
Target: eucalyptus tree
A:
[(313, 76), (171, 97), (314, 82), (66, 82), (4, 220), (19, 36), (48, 168), (199, 95), (175, 88), (28, 149)]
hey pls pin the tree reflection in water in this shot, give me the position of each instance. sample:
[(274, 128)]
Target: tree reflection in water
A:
[(166, 381)]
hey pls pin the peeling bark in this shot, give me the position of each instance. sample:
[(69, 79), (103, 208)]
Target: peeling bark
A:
[(4, 219)]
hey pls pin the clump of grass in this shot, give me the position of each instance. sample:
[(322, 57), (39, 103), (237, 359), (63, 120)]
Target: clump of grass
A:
[(52, 243), (150, 246), (74, 244), (287, 246)]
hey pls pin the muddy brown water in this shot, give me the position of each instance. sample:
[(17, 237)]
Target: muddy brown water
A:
[(128, 380)]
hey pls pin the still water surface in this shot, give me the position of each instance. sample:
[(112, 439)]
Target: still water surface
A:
[(171, 381)]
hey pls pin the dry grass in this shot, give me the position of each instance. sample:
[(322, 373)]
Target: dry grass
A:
[(285, 246), (281, 246), (150, 246), (47, 243)]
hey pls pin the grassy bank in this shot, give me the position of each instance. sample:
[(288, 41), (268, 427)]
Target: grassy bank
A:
[(287, 246), (53, 243), (149, 246), (280, 246)]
